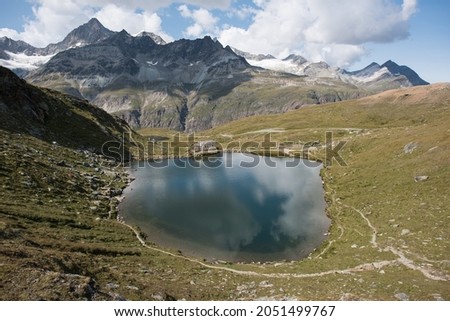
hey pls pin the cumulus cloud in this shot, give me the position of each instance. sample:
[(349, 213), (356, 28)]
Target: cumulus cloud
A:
[(117, 18), (52, 20), (203, 21), (10, 33), (334, 31), (242, 12), (329, 30)]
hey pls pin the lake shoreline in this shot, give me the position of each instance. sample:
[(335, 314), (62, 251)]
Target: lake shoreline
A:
[(123, 218)]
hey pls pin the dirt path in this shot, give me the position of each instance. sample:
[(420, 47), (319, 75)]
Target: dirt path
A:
[(401, 258), (373, 239)]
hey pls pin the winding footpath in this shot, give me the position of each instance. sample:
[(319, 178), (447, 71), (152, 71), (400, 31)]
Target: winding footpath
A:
[(401, 258)]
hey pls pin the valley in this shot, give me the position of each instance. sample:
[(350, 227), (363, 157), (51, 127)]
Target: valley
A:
[(388, 238)]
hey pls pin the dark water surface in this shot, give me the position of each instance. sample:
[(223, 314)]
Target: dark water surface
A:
[(216, 208)]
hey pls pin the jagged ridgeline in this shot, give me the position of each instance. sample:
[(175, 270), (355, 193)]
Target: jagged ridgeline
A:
[(59, 118)]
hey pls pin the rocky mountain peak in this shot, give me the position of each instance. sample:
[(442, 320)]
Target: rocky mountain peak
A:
[(93, 23), (14, 46), (295, 58), (249, 56), (374, 65), (88, 33), (366, 71), (157, 39)]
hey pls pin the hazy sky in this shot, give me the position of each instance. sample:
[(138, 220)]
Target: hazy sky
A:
[(345, 33)]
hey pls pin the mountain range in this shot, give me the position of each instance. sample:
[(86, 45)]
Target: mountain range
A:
[(187, 85), (374, 76)]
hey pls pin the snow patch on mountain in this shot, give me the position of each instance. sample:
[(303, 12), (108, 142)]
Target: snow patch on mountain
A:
[(23, 61), (373, 76), (279, 65)]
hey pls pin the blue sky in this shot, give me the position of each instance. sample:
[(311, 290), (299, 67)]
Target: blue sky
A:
[(345, 33)]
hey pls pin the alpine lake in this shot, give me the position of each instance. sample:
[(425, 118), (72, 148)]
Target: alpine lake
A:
[(233, 207)]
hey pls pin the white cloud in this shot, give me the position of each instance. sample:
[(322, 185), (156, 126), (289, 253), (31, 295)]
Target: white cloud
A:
[(52, 20), (117, 18), (408, 8), (242, 12), (10, 33), (334, 31), (204, 21)]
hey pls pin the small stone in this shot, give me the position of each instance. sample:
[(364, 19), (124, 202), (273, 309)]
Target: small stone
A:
[(437, 297), (405, 231), (420, 178), (134, 288), (112, 286), (402, 296), (265, 284), (410, 147), (157, 297), (61, 163)]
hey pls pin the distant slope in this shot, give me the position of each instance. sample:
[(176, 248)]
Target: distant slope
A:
[(392, 108)]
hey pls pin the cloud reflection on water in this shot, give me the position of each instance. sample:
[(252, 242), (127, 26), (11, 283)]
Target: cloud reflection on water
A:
[(258, 209)]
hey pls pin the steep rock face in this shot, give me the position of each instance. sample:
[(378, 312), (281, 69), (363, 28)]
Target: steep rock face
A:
[(145, 83), (52, 116), (185, 61)]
